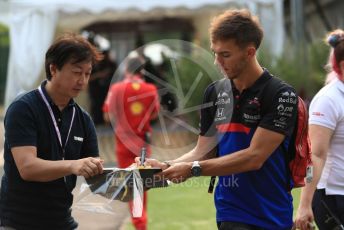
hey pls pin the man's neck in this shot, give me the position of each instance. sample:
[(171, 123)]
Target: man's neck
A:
[(249, 77), (60, 101)]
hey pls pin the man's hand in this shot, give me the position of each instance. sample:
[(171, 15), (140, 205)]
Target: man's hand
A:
[(151, 162), (304, 218), (178, 172), (87, 167)]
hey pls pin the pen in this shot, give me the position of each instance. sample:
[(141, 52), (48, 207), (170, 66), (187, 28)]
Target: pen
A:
[(143, 156)]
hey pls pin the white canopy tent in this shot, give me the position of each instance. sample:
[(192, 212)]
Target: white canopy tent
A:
[(32, 26)]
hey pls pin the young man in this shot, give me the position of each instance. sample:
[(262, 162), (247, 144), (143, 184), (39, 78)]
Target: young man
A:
[(252, 192), (131, 104), (49, 140)]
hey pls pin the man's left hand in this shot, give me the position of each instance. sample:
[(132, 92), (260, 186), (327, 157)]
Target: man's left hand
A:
[(178, 172)]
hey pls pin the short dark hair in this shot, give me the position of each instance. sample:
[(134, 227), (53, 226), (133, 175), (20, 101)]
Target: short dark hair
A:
[(70, 47), (239, 25), (134, 65)]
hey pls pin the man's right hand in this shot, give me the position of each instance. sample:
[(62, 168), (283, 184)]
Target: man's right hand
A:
[(151, 162), (87, 167), (304, 218)]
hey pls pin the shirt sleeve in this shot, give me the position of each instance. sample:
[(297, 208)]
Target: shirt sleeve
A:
[(20, 125), (323, 112), (90, 145), (207, 124), (280, 115)]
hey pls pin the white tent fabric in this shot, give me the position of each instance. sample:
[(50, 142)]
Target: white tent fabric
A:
[(101, 5), (32, 25), (27, 52)]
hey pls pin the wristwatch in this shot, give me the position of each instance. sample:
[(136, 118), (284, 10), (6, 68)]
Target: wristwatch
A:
[(196, 170)]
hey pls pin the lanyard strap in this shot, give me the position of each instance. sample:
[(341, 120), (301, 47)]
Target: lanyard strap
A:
[(54, 121)]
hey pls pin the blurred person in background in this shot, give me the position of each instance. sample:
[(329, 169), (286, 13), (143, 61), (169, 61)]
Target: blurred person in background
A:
[(131, 104), (101, 76), (155, 71), (323, 199)]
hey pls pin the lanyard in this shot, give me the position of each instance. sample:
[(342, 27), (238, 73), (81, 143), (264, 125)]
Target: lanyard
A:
[(55, 123)]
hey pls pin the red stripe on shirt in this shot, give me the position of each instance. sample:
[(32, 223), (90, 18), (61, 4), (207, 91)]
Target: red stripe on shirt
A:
[(233, 127)]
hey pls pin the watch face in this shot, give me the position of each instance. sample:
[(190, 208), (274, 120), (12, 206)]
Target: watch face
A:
[(196, 171)]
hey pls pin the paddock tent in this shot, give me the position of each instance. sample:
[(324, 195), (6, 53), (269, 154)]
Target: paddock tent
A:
[(32, 25)]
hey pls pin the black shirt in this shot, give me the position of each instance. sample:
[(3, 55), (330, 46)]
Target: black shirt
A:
[(42, 205), (259, 105)]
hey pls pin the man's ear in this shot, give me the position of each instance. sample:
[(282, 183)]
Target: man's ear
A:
[(52, 69), (251, 51)]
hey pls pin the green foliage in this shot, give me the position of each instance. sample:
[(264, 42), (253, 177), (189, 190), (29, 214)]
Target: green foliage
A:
[(190, 75), (319, 53), (3, 28), (4, 51), (307, 75), (4, 36)]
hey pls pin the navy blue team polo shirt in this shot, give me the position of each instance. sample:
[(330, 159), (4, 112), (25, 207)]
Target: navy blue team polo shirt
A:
[(258, 197), (42, 205)]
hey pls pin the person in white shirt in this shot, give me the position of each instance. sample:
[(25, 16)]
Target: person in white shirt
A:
[(323, 199)]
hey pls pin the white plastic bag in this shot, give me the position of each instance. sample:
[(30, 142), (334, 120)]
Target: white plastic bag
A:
[(101, 193)]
